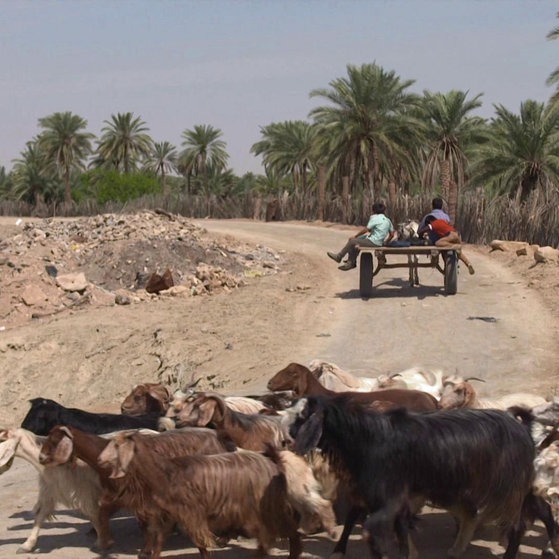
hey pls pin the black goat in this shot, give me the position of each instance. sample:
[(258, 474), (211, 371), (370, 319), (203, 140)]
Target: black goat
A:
[(476, 463), (45, 414)]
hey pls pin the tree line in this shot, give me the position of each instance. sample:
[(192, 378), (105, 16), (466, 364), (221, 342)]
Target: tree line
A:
[(369, 137)]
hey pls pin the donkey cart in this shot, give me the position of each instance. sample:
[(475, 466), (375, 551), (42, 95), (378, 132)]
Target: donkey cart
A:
[(449, 268)]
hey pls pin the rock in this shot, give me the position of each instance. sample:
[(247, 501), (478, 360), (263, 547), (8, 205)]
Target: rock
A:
[(177, 290), (122, 299), (546, 254), (33, 295), (72, 282), (508, 246), (157, 283), (51, 270)]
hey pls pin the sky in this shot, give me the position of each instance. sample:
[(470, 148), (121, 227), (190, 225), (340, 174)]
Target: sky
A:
[(240, 65)]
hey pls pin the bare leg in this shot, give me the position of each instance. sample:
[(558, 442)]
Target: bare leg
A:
[(450, 241)]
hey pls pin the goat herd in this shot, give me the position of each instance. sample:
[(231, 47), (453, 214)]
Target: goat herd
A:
[(322, 447)]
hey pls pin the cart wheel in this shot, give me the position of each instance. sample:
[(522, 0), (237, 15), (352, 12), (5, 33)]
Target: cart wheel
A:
[(451, 273), (366, 274)]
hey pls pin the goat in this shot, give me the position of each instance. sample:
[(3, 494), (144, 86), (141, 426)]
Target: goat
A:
[(243, 404), (408, 229), (397, 460), (547, 413), (248, 431), (75, 486), (45, 414), (334, 378), (299, 378), (149, 397), (425, 380), (65, 444), (458, 393), (240, 493)]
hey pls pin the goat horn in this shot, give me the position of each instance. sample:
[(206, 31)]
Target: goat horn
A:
[(191, 384), (474, 378), (395, 375)]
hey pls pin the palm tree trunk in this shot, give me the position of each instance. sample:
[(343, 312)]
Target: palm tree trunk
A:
[(321, 191), (345, 199), (452, 201), (163, 178), (444, 166), (67, 190), (391, 193), (257, 207)]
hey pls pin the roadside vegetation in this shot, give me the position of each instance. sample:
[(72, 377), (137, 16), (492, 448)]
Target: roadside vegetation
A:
[(368, 137)]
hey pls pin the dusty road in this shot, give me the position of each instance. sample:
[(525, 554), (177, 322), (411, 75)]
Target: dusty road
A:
[(397, 328), (402, 326)]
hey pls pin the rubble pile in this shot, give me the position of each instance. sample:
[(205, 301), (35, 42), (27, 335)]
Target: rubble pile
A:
[(51, 265)]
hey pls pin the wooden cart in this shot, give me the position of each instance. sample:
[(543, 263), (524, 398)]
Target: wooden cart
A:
[(449, 268)]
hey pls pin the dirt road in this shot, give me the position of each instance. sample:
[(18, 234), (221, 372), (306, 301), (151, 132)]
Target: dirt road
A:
[(310, 310), (400, 327)]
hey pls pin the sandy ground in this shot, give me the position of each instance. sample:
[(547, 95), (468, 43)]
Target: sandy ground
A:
[(89, 358)]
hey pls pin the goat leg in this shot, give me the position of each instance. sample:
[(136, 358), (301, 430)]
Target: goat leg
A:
[(156, 530), (104, 537), (43, 509), (354, 514), (295, 546)]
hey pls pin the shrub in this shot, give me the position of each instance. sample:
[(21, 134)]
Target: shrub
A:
[(112, 186)]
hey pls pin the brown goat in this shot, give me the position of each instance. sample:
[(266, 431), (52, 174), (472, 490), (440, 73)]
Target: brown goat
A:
[(65, 444), (148, 397), (248, 431), (224, 495), (300, 379)]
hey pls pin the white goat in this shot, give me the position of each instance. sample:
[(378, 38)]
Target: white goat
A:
[(335, 378), (75, 486), (426, 380), (408, 229), (458, 392), (417, 378)]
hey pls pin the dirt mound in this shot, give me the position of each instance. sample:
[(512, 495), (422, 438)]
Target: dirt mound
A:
[(52, 265)]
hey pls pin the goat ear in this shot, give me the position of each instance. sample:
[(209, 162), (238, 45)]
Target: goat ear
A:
[(428, 376), (125, 453), (7, 451), (309, 434), (160, 394), (206, 412), (64, 449)]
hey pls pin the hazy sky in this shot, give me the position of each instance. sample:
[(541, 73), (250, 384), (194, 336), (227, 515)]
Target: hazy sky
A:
[(239, 65)]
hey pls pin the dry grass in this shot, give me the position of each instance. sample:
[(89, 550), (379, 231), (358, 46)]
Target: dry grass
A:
[(480, 219)]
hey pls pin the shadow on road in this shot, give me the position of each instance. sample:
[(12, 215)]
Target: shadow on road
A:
[(395, 288)]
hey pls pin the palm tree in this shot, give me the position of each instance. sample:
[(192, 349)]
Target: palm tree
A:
[(124, 142), (369, 122), (162, 161), (65, 146), (287, 149), (523, 154), (449, 133), (30, 181), (553, 78), (203, 148)]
